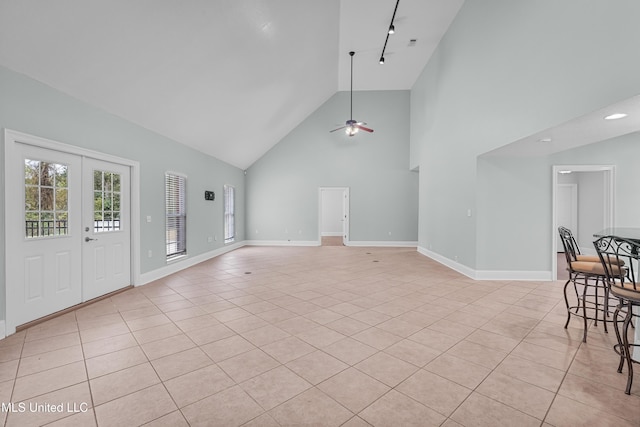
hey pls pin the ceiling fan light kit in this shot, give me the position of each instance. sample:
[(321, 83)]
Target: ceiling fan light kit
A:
[(351, 126)]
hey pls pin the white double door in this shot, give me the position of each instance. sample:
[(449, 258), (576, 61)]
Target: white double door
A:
[(68, 231)]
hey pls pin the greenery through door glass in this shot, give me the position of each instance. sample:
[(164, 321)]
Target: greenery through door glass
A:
[(106, 201), (46, 201)]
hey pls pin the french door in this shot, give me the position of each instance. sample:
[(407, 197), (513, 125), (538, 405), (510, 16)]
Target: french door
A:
[(67, 230), (106, 249)]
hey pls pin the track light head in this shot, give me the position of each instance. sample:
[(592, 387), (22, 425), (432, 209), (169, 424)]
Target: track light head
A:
[(390, 30)]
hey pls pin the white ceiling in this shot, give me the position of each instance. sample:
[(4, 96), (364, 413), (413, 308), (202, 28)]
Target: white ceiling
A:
[(583, 130), (229, 78)]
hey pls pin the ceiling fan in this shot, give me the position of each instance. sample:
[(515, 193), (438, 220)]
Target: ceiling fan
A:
[(352, 126)]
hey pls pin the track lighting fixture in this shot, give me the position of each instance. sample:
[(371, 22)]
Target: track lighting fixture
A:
[(391, 30)]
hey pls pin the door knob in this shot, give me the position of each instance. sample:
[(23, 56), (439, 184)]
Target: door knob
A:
[(88, 239)]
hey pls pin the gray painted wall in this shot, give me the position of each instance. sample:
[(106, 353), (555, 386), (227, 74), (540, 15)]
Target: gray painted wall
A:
[(505, 70), (282, 186), (31, 107), (623, 152), (516, 194)]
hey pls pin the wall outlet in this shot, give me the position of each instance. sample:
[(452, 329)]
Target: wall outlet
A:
[(209, 239), (150, 253), (148, 218), (215, 237)]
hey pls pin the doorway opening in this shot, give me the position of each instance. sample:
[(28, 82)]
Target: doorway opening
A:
[(333, 216), (583, 201)]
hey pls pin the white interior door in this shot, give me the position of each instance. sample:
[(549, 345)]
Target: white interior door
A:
[(106, 228), (43, 232)]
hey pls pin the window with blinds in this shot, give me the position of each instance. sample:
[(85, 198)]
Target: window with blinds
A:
[(229, 214), (176, 212)]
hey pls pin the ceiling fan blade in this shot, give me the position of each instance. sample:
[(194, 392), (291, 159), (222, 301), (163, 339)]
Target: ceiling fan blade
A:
[(341, 127), (366, 129)]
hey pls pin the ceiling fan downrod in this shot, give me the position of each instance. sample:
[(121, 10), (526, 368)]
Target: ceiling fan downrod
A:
[(351, 99)]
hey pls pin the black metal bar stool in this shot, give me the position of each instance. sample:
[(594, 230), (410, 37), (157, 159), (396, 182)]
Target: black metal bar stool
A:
[(619, 259), (588, 277)]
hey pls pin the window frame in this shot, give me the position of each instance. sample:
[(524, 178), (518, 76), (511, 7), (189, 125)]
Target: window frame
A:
[(175, 222), (229, 214)]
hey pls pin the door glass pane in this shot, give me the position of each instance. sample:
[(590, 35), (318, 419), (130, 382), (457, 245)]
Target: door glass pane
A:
[(106, 201), (31, 172), (61, 199), (45, 199)]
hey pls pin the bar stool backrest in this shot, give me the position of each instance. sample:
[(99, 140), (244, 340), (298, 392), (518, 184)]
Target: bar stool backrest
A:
[(571, 249), (619, 258)]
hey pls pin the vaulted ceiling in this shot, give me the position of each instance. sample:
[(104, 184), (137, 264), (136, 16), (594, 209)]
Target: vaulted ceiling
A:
[(227, 77)]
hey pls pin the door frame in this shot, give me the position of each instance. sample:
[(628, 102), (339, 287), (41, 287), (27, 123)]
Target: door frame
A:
[(345, 213), (12, 138), (608, 207)]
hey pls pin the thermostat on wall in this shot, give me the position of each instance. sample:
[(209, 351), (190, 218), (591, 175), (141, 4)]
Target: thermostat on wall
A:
[(209, 195)]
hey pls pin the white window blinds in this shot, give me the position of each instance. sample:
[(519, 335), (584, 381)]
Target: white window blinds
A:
[(176, 212), (229, 214)]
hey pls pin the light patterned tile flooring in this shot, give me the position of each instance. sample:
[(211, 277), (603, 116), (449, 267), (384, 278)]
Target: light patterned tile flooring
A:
[(324, 336)]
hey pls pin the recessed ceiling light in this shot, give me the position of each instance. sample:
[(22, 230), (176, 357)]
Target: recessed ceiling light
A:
[(615, 116)]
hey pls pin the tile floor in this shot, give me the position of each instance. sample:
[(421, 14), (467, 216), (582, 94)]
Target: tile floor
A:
[(324, 336)]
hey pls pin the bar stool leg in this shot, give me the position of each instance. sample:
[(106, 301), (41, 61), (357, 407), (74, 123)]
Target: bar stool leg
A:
[(616, 324), (584, 308), (566, 302), (596, 303), (627, 353)]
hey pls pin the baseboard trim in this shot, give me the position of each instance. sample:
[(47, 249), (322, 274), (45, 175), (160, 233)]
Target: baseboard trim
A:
[(536, 276), (3, 329), (456, 266), (316, 243), (391, 244), (519, 275), (282, 243), (186, 263)]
